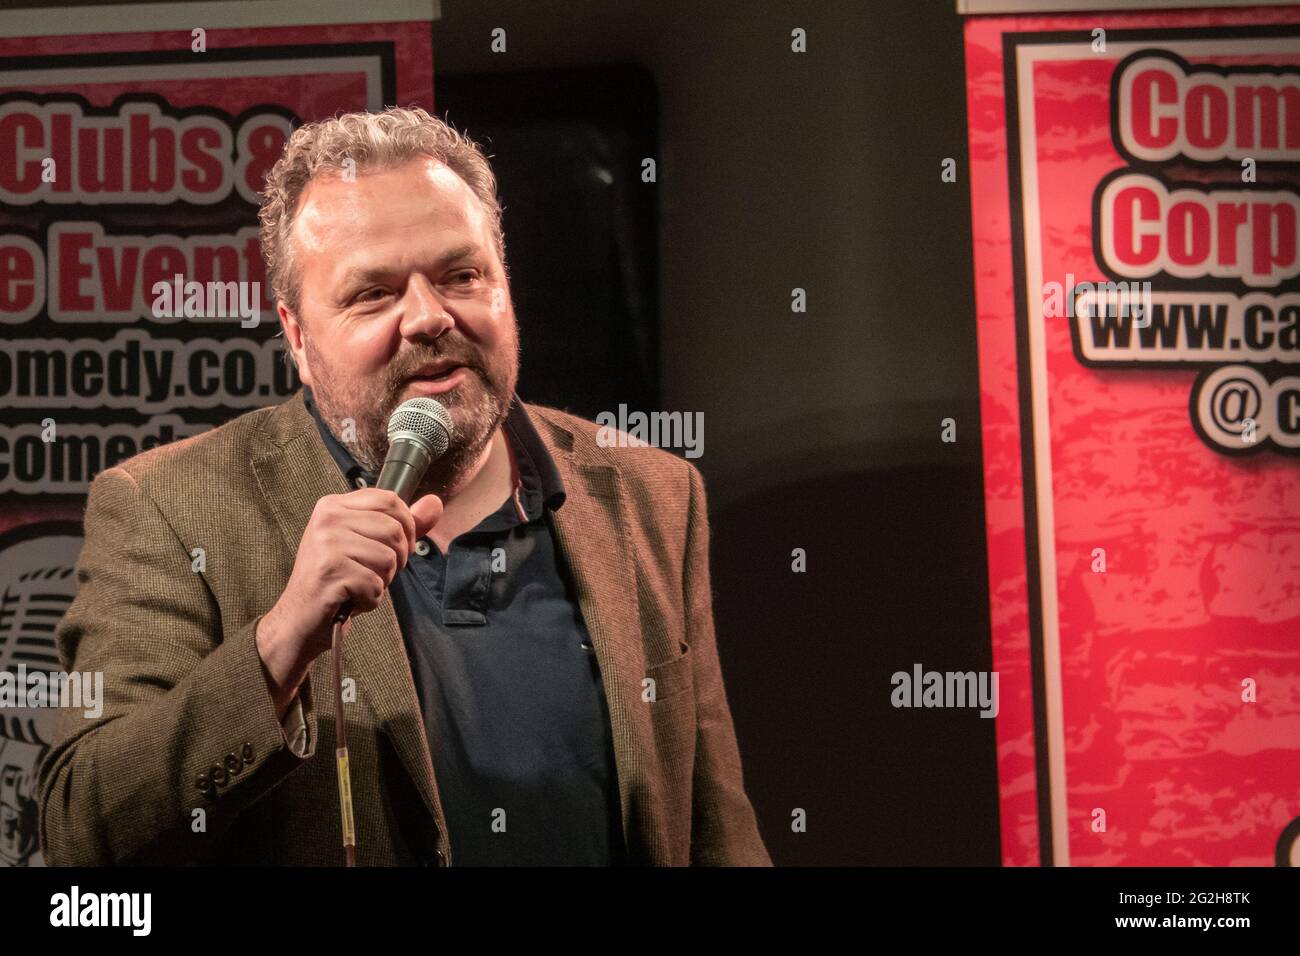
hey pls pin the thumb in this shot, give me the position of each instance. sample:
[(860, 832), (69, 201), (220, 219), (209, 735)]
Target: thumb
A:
[(426, 513)]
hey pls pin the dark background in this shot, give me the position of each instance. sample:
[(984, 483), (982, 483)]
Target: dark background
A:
[(775, 171)]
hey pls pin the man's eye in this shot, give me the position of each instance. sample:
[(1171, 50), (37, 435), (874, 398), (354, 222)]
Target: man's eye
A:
[(466, 274), (372, 295)]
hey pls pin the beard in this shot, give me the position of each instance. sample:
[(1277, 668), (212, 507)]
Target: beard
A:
[(477, 406)]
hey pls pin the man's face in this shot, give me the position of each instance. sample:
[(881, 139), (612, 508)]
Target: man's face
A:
[(403, 294)]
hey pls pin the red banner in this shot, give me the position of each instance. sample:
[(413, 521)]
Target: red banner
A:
[(1135, 203)]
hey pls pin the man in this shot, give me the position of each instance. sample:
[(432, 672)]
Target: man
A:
[(531, 675)]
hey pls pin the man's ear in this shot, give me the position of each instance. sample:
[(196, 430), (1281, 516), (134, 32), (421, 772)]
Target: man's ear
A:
[(293, 341)]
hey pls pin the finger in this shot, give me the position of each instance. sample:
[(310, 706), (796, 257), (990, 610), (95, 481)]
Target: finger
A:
[(426, 513), (373, 544), (386, 502), (367, 499), (367, 579)]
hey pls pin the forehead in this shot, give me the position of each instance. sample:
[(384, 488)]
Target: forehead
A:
[(419, 206)]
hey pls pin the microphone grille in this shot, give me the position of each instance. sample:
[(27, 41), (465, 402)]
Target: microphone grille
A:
[(426, 419)]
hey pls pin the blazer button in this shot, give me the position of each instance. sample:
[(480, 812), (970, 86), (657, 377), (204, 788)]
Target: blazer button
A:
[(233, 764), (248, 753), (204, 784), (440, 858), (218, 774)]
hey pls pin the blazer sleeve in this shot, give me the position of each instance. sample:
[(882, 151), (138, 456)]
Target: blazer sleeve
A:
[(187, 720), (724, 831)]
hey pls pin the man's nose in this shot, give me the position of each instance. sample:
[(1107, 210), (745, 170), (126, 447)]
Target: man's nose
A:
[(424, 315)]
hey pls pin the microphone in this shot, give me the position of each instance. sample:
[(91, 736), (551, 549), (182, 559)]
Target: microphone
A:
[(419, 433)]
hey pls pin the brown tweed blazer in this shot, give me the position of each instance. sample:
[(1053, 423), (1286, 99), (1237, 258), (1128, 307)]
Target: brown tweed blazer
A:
[(186, 699)]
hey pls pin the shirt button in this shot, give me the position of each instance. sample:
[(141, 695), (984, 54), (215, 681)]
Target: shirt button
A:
[(422, 548), (361, 481)]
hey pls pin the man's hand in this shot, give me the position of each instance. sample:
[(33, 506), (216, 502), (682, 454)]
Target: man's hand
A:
[(353, 547)]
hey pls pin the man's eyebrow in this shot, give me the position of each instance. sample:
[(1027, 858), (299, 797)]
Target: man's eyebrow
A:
[(363, 274), (460, 252)]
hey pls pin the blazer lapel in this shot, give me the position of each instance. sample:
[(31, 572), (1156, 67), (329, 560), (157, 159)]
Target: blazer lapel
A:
[(586, 528), (294, 473)]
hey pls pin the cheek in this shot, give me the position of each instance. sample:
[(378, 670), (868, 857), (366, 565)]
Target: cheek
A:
[(490, 326), (501, 319), (364, 348), (505, 345)]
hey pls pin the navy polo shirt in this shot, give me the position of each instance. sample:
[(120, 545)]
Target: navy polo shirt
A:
[(511, 694)]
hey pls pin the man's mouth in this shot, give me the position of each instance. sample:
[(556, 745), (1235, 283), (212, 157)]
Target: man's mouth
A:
[(436, 373), (437, 378)]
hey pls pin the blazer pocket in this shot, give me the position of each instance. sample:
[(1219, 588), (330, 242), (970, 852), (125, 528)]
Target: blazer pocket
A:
[(673, 677)]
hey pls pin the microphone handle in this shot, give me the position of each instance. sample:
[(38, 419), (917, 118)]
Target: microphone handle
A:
[(403, 470)]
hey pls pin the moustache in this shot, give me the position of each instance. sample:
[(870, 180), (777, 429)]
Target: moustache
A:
[(399, 377)]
